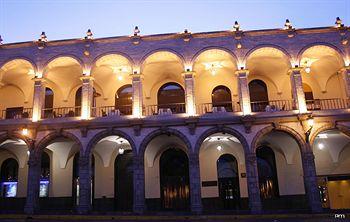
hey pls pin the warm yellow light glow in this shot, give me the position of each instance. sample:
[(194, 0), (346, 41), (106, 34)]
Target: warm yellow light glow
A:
[(84, 113), (31, 72), (38, 75), (310, 122), (213, 67), (306, 63), (86, 72), (120, 77), (307, 69), (25, 132), (188, 68)]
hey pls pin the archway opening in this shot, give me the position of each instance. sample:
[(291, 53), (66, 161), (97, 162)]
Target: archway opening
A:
[(258, 95), (123, 100), (48, 106), (222, 167), (13, 174), (171, 98), (174, 180), (332, 160), (17, 89), (279, 166), (214, 67), (221, 97), (167, 174), (228, 181), (113, 156), (45, 175), (321, 65)]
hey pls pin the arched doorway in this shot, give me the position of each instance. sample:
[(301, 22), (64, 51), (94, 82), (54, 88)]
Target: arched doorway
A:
[(258, 95), (311, 103), (221, 97), (123, 100), (123, 186), (172, 96), (174, 180), (228, 181), (48, 106), (9, 178), (45, 175), (267, 172)]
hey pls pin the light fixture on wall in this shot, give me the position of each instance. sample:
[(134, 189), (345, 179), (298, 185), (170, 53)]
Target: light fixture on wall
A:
[(219, 148), (120, 71), (213, 67), (25, 132), (306, 63), (121, 150)]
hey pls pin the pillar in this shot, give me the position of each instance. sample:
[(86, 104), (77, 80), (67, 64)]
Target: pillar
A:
[(189, 93), (297, 90), (38, 99), (253, 183), (346, 77), (310, 181), (84, 184), (33, 184), (87, 93), (137, 95), (195, 184), (243, 90), (139, 184)]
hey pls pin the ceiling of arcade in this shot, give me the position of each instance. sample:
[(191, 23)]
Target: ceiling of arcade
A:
[(323, 63), (270, 65), (14, 148), (214, 67), (111, 72), (18, 74)]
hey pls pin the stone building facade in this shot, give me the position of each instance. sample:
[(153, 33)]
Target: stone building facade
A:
[(246, 121)]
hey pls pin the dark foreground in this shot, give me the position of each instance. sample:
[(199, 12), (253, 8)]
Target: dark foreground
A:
[(206, 218)]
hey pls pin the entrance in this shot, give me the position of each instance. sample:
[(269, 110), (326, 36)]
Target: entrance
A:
[(228, 182), (123, 186), (174, 180)]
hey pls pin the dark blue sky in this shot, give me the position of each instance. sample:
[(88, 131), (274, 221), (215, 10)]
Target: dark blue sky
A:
[(23, 20)]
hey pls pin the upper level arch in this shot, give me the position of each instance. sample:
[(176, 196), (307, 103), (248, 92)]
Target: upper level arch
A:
[(159, 56)]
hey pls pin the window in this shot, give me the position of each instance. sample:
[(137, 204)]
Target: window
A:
[(221, 97), (172, 96), (123, 100), (258, 95)]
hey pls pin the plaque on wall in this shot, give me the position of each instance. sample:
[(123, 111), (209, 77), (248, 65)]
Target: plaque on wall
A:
[(209, 183)]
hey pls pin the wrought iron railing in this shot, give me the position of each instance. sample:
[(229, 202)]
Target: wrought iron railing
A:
[(327, 104), (61, 112), (18, 113), (164, 109), (111, 111), (218, 107), (272, 106)]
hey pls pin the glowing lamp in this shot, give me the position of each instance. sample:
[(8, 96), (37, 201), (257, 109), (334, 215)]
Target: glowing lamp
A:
[(25, 132), (219, 148), (320, 146), (307, 69), (121, 151)]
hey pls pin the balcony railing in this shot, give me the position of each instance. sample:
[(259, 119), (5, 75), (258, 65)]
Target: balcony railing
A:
[(218, 107), (327, 104), (164, 109), (111, 111), (272, 106), (61, 112), (17, 113)]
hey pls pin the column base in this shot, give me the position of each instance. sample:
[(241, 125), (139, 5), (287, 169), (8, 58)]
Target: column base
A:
[(30, 210), (139, 209), (85, 209)]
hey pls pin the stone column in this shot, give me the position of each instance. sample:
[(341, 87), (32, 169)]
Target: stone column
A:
[(139, 184), (195, 184), (84, 184), (310, 181), (189, 93), (87, 93), (253, 183), (243, 91), (33, 184), (346, 77), (38, 99), (136, 95), (297, 90)]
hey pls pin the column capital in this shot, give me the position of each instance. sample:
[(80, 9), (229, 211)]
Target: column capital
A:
[(242, 73), (295, 70), (87, 78), (39, 79), (136, 76), (189, 74)]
